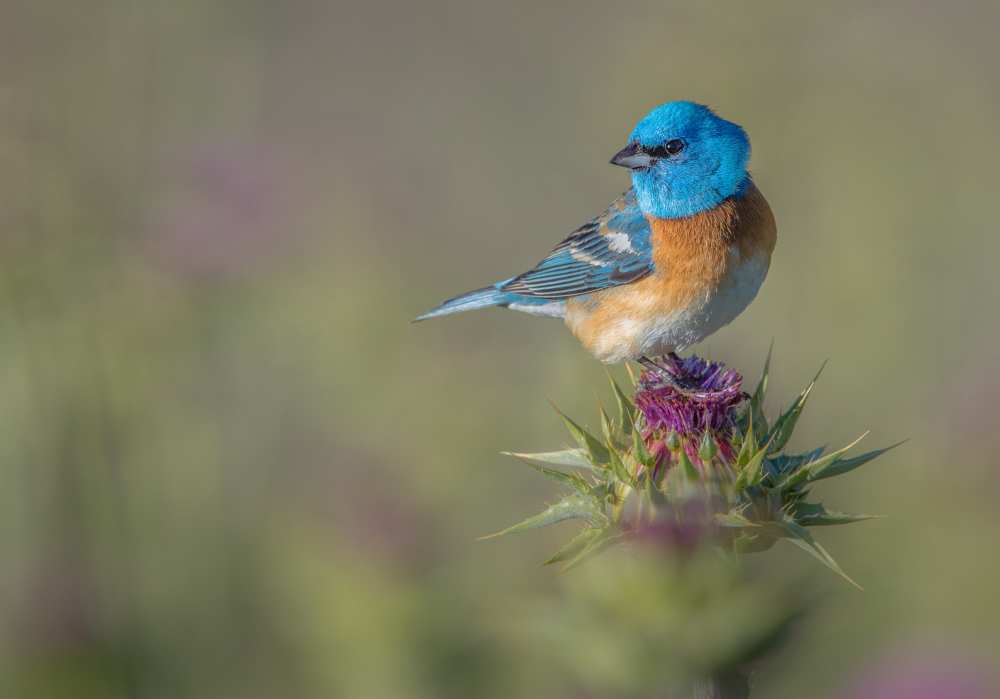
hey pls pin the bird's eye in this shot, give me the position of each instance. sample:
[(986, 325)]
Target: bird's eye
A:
[(674, 146), (668, 149)]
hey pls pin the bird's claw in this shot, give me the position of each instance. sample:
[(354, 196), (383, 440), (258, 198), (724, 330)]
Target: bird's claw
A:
[(665, 374)]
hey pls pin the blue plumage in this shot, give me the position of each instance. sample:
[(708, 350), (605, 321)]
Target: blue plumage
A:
[(608, 250), (710, 167), (480, 298)]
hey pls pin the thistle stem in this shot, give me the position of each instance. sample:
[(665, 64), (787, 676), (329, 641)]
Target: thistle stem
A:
[(731, 684)]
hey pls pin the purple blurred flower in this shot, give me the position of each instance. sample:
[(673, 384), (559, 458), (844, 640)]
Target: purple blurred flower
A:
[(222, 210), (927, 675), (679, 529), (688, 398)]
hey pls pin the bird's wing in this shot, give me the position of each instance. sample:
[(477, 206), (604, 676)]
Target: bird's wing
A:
[(609, 250)]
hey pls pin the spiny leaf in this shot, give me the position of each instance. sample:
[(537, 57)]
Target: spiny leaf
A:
[(830, 517), (785, 425), (752, 473), (626, 408), (631, 374), (750, 460), (607, 427), (639, 450), (605, 538), (570, 479), (757, 399), (617, 466), (707, 449), (688, 468), (733, 519), (808, 471), (801, 537), (576, 458), (571, 507), (841, 466), (778, 465), (598, 453), (749, 446), (575, 545), (752, 541)]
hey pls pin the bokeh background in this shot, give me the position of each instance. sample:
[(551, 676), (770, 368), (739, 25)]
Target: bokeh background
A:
[(230, 467)]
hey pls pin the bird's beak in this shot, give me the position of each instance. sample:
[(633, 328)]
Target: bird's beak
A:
[(632, 156)]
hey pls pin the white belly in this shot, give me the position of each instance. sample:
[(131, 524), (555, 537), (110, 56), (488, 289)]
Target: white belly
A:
[(693, 324)]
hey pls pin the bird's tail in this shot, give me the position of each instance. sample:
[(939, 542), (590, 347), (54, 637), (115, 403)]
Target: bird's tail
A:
[(480, 298)]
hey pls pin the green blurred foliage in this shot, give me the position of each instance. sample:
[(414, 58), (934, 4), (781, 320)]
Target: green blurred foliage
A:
[(651, 621), (231, 467)]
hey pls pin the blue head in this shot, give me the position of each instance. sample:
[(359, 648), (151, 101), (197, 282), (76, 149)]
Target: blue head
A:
[(684, 159)]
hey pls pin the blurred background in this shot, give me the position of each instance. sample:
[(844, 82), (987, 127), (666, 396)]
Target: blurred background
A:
[(230, 466)]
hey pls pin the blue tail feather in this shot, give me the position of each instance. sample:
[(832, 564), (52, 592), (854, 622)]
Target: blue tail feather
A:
[(480, 298)]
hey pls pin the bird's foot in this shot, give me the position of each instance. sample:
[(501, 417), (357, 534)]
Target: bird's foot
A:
[(648, 363), (668, 369), (672, 357)]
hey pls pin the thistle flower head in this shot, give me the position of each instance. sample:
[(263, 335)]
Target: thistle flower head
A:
[(693, 415), (688, 399)]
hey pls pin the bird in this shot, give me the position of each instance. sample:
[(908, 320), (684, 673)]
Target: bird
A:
[(679, 255)]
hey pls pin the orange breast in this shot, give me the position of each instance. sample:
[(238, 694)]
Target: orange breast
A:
[(693, 256)]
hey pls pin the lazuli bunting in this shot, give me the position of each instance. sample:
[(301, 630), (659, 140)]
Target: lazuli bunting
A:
[(672, 260)]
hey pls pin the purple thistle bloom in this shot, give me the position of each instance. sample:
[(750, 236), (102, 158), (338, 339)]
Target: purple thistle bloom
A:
[(688, 397), (931, 673), (222, 210), (680, 529)]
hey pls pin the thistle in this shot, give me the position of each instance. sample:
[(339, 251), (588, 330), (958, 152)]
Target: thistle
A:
[(690, 456), (690, 404)]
